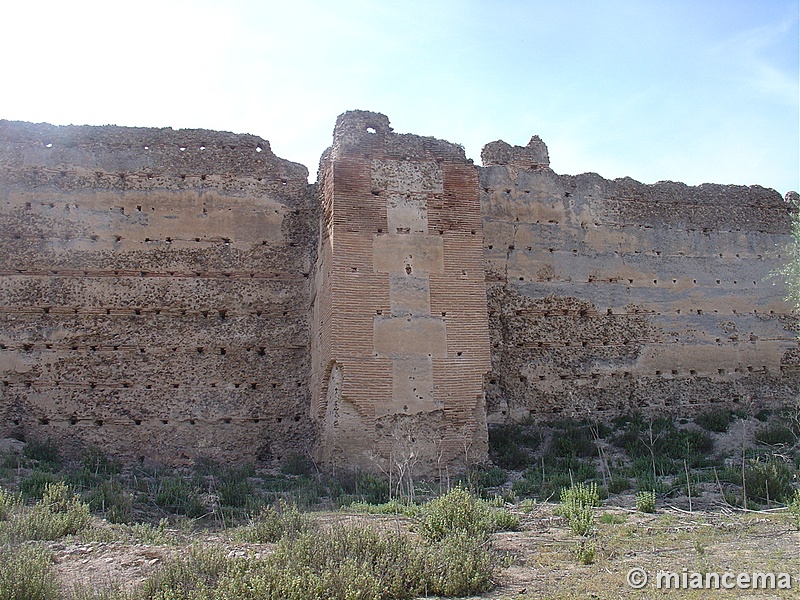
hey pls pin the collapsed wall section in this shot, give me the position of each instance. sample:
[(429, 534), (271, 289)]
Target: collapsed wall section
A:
[(611, 296), (153, 292), (400, 334)]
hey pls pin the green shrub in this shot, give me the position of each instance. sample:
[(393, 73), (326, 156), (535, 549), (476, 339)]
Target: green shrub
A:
[(149, 534), (458, 565), (585, 551), (358, 562), (234, 488), (99, 463), (96, 468), (297, 464), (558, 474), (307, 491), (659, 443), (717, 419), (180, 497), (776, 434), (581, 519), (689, 444), (392, 507), (680, 484), (528, 505), (611, 519), (503, 520), (481, 478), (646, 501), (351, 562), (59, 513), (26, 574), (59, 498), (647, 482), (191, 577), (341, 562), (764, 480), (456, 511), (11, 460), (372, 488), (576, 506), (576, 469), (338, 562), (272, 525), (581, 494), (572, 441), (111, 500), (7, 503), (45, 453), (511, 446), (769, 480), (32, 487), (355, 486), (794, 508), (617, 485), (763, 415), (205, 466), (115, 592)]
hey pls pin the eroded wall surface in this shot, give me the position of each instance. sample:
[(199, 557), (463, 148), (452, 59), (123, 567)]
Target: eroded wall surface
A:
[(154, 292), (400, 341), (166, 295), (609, 296)]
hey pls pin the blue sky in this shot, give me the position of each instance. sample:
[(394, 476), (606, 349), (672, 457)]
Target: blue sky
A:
[(685, 90)]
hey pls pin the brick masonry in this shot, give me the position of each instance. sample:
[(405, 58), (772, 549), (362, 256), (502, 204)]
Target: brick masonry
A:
[(400, 341)]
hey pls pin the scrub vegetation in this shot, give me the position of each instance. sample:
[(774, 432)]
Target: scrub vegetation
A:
[(577, 496)]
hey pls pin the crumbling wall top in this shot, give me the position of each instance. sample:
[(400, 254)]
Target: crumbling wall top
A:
[(163, 152), (362, 133), (533, 156)]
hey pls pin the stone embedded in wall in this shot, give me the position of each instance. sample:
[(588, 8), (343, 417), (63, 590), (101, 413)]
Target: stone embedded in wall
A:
[(400, 329)]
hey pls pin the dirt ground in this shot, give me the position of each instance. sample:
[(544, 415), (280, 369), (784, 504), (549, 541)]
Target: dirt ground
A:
[(670, 540), (542, 554)]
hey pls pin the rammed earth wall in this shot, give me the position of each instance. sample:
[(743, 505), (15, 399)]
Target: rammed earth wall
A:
[(609, 296), (154, 291), (166, 295)]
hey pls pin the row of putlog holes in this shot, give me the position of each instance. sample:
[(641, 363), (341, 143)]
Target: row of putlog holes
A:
[(225, 420)]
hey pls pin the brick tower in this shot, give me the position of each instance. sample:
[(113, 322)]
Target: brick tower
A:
[(400, 341)]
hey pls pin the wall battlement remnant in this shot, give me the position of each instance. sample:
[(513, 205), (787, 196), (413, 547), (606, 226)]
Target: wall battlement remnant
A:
[(171, 294)]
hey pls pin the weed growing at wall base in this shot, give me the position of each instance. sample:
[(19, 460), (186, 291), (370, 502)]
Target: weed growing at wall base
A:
[(718, 420)]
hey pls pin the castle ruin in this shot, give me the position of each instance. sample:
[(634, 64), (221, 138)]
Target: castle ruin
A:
[(171, 294)]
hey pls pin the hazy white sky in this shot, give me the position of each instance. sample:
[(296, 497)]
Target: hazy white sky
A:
[(688, 90)]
